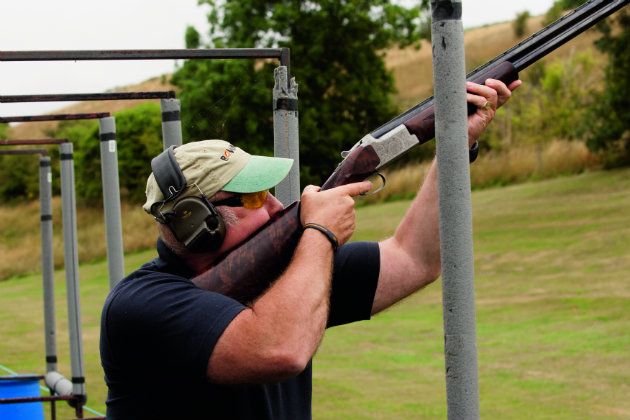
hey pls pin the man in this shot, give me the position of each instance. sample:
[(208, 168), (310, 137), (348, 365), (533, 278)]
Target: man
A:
[(172, 350)]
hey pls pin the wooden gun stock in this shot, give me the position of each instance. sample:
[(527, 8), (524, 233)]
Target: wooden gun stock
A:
[(250, 268)]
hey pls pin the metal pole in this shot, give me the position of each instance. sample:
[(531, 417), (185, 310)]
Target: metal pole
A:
[(286, 134), (108, 96), (54, 117), (174, 54), (71, 258), (48, 273), (460, 337), (31, 142), (42, 152), (111, 201), (171, 123)]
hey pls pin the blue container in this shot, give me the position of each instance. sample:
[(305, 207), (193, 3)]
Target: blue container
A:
[(20, 386)]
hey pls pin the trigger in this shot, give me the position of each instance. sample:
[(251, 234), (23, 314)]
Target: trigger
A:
[(380, 188)]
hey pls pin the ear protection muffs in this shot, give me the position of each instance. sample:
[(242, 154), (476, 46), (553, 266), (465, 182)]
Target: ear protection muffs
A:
[(193, 220)]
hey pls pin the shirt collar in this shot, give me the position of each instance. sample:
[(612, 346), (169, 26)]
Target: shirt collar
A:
[(171, 263)]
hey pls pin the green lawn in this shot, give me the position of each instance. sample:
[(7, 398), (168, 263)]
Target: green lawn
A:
[(552, 262)]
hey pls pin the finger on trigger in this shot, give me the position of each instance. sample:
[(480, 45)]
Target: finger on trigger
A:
[(357, 188), (311, 189)]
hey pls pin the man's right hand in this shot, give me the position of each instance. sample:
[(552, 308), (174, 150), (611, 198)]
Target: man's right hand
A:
[(333, 209)]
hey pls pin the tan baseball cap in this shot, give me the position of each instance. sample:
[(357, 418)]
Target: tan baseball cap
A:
[(216, 165)]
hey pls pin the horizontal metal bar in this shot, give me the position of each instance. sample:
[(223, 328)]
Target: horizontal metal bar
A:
[(32, 141), (108, 96), (76, 55), (24, 152), (23, 377), (55, 117), (37, 399), (282, 54)]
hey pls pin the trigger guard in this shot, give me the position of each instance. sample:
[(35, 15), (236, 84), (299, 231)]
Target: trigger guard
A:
[(381, 187)]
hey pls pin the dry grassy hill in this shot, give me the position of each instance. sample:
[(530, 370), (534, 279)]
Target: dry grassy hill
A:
[(413, 71)]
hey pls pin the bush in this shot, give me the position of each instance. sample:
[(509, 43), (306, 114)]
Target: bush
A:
[(138, 138), (520, 23)]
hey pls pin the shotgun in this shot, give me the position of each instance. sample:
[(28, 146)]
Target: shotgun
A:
[(247, 270)]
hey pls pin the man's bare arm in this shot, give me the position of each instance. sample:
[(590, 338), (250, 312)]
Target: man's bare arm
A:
[(278, 335), (411, 258)]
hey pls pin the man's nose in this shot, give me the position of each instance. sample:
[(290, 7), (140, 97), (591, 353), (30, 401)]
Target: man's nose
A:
[(273, 204)]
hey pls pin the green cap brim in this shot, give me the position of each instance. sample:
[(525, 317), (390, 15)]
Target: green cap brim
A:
[(261, 173)]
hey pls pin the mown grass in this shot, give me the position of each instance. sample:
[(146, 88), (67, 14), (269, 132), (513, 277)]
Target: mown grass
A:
[(552, 287)]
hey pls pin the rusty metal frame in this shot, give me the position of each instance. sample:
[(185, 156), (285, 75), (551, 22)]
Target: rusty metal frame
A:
[(32, 142), (42, 152), (75, 401), (54, 117), (282, 54), (107, 96)]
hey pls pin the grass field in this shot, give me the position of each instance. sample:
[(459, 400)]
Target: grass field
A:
[(552, 262)]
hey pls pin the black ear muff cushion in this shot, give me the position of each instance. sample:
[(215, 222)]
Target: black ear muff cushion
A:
[(198, 227)]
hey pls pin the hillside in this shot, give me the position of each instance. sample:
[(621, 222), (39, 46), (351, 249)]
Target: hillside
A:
[(412, 68), (38, 129)]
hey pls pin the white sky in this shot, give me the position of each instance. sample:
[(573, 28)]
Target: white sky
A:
[(128, 24)]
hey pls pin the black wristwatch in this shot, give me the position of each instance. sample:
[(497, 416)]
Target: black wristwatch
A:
[(473, 152)]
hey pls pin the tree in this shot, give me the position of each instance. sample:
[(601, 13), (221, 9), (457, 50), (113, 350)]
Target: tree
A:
[(138, 140), (558, 8), (611, 111), (337, 49), (553, 103), (19, 174), (520, 23)]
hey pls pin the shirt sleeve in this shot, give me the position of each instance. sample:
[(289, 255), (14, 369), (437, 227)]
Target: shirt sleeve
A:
[(355, 277), (167, 326)]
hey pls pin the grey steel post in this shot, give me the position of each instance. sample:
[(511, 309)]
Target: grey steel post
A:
[(451, 127), (111, 201), (171, 123), (286, 134), (71, 259), (48, 268)]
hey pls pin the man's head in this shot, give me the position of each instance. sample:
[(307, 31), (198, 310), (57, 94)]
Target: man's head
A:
[(184, 178)]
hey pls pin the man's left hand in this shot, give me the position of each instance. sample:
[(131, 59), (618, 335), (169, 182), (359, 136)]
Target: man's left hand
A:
[(488, 98)]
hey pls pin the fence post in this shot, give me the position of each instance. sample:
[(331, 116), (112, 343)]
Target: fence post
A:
[(71, 258), (111, 201), (286, 134), (48, 263), (171, 122), (458, 290)]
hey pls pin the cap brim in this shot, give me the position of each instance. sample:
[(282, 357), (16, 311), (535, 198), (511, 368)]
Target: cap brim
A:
[(261, 173)]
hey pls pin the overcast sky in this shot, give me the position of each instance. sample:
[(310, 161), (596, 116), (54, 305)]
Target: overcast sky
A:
[(128, 24)]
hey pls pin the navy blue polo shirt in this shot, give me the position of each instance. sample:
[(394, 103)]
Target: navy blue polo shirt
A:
[(158, 331)]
